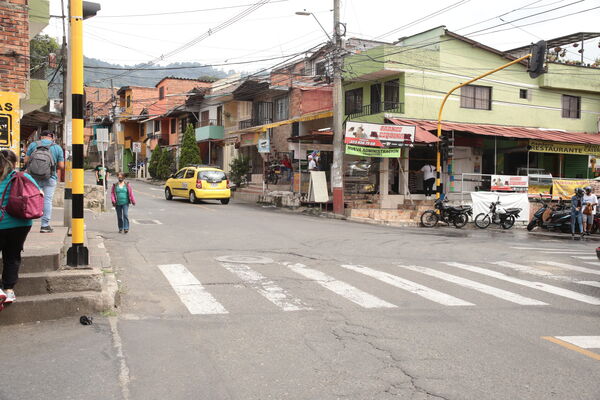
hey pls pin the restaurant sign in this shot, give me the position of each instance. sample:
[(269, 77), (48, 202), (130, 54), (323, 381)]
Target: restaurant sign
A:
[(541, 146), (382, 136), (372, 151)]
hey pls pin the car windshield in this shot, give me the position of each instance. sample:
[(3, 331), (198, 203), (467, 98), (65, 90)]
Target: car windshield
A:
[(212, 176)]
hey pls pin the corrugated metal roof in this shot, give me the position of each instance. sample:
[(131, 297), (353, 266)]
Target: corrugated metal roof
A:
[(421, 134), (518, 132)]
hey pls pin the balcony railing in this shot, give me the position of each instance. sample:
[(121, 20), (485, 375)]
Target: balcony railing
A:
[(376, 108), (249, 123), (210, 122)]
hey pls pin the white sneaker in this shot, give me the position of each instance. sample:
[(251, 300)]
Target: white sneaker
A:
[(2, 299), (10, 296)]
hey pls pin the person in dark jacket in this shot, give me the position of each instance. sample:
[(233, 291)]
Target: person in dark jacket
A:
[(577, 212), (122, 196), (13, 231)]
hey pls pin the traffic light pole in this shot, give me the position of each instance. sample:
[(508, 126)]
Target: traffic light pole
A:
[(439, 121), (77, 255)]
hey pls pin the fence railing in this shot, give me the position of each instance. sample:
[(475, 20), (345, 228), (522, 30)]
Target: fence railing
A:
[(376, 108)]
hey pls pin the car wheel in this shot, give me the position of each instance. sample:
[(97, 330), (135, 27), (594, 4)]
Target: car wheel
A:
[(168, 194), (193, 198), (224, 201)]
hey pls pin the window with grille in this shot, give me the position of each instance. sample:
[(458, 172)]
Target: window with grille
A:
[(354, 101), (281, 108), (523, 93), (161, 93), (128, 102), (391, 95), (156, 126), (571, 106), (173, 125), (320, 68), (477, 97)]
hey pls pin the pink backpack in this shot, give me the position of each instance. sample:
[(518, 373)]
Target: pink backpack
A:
[(25, 200)]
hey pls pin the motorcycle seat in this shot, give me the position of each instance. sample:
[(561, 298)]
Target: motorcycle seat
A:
[(512, 210)]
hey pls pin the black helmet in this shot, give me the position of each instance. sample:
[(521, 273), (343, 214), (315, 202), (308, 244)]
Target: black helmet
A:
[(579, 191)]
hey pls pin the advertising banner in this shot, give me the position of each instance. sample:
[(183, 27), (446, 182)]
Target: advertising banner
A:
[(10, 122), (510, 183), (482, 201), (372, 151), (541, 146), (382, 136), (565, 188)]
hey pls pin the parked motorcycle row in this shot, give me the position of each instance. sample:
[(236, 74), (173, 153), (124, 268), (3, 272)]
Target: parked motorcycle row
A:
[(459, 215)]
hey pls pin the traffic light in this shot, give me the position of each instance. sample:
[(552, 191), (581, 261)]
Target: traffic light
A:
[(537, 59), (444, 147), (90, 9)]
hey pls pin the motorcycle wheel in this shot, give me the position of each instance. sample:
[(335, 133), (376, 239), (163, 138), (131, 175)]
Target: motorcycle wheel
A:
[(482, 221), (460, 220), (429, 219), (531, 225), (508, 222)]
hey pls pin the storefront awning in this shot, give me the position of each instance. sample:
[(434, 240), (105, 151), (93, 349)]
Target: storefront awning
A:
[(321, 136), (517, 132), (421, 134)]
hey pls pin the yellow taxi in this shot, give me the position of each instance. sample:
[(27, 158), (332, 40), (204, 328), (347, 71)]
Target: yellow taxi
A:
[(199, 183)]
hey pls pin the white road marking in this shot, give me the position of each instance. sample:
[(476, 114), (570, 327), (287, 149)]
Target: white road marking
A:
[(572, 267), (343, 289), (101, 245), (190, 291), (480, 287), (585, 342), (547, 249), (156, 189), (586, 257), (597, 264), (524, 268), (267, 288), (412, 287), (590, 283), (534, 285)]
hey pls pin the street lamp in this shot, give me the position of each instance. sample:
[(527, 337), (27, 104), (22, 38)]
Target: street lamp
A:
[(306, 14)]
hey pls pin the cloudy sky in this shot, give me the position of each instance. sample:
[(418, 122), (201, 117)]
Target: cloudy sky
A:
[(124, 33)]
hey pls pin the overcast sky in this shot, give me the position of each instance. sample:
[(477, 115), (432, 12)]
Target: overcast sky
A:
[(119, 35)]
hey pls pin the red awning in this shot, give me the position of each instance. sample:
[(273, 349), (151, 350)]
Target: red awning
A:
[(517, 132)]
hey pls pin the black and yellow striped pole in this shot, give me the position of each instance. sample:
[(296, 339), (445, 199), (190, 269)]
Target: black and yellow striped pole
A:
[(77, 255)]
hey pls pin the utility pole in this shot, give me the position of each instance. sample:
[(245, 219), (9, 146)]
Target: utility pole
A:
[(77, 255), (337, 175), (113, 126)]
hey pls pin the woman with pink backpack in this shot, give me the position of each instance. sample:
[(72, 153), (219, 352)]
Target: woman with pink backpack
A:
[(15, 220)]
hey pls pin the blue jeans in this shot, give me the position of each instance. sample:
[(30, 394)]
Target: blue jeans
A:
[(576, 218), (48, 186), (123, 216)]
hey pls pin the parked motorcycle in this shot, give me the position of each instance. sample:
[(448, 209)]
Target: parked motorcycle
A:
[(559, 218), (505, 217), (273, 173), (455, 215)]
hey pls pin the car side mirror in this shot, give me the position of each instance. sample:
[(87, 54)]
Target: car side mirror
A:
[(172, 176)]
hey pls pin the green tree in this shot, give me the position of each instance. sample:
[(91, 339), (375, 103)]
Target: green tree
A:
[(166, 165), (238, 169), (190, 153), (40, 47), (153, 164)]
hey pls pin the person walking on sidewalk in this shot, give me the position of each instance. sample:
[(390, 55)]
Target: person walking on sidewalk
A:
[(13, 231), (122, 197), (44, 158), (576, 212)]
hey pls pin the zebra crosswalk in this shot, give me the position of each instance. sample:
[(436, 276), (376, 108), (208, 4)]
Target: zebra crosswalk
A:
[(297, 287)]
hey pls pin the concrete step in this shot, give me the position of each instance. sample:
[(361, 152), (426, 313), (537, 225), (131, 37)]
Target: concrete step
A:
[(51, 306), (62, 281), (40, 263)]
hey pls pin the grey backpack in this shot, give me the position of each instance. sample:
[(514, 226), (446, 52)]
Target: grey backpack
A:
[(41, 163)]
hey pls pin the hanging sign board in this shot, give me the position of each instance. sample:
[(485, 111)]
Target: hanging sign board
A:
[(102, 135), (10, 122), (136, 147), (383, 136), (264, 145), (510, 183), (372, 151), (541, 146)]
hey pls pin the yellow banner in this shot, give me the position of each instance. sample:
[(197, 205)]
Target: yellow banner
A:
[(541, 146), (565, 188), (10, 118)]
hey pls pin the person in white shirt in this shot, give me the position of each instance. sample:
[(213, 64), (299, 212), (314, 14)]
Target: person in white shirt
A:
[(588, 215), (312, 164), (428, 178)]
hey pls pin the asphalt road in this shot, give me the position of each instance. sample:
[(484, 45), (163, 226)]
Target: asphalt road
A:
[(244, 302)]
